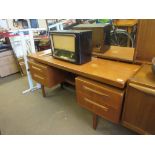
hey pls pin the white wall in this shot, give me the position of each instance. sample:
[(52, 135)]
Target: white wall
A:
[(42, 23), (4, 23), (9, 23)]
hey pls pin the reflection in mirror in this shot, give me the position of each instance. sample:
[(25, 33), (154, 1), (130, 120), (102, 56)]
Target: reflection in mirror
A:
[(124, 32), (125, 54), (116, 42), (123, 38)]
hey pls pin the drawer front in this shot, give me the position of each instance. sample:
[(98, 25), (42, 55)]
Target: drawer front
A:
[(104, 111), (46, 75), (102, 94), (39, 79), (38, 68), (39, 73)]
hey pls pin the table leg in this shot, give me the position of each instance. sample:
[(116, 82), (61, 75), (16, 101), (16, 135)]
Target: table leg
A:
[(43, 90), (95, 120), (62, 85)]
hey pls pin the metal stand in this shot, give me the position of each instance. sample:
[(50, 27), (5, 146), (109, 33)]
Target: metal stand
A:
[(27, 49), (32, 87), (38, 86)]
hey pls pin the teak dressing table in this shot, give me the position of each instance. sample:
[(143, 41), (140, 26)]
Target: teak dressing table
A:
[(100, 84)]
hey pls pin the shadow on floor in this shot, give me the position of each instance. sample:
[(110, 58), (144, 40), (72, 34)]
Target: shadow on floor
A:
[(10, 78)]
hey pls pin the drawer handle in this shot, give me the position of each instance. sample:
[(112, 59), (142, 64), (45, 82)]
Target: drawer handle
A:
[(103, 107), (143, 89), (36, 68), (97, 92), (37, 76)]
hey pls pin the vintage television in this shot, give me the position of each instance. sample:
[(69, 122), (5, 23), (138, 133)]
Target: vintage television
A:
[(100, 35), (74, 46)]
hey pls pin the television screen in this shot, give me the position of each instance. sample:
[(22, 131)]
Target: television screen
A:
[(64, 42)]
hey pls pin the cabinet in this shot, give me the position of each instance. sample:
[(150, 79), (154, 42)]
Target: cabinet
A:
[(100, 84), (8, 63), (145, 46), (46, 75), (139, 106), (101, 99)]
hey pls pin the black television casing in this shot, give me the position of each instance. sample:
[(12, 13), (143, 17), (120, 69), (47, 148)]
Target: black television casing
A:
[(83, 46), (100, 35)]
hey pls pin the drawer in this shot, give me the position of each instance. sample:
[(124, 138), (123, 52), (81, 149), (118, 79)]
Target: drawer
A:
[(40, 79), (46, 75), (38, 68), (106, 112), (100, 93)]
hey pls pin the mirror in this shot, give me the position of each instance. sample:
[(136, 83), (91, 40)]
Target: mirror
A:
[(140, 41), (131, 40), (117, 37), (123, 40)]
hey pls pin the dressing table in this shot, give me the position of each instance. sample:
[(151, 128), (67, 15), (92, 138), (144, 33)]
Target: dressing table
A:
[(107, 87), (100, 84)]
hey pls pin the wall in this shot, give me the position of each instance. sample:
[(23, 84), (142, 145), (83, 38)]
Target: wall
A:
[(10, 24), (4, 23), (42, 23)]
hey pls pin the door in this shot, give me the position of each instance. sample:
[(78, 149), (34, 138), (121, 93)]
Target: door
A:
[(139, 109)]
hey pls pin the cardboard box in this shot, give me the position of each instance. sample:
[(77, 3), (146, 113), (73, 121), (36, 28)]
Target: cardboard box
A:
[(23, 67), (8, 64), (8, 69), (6, 53), (7, 60)]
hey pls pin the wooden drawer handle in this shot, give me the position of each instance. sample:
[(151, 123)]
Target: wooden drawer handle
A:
[(36, 68), (103, 107), (37, 76), (95, 91), (143, 89)]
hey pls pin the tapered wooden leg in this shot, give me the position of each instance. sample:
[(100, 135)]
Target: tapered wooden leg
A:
[(95, 120), (43, 90), (62, 85)]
